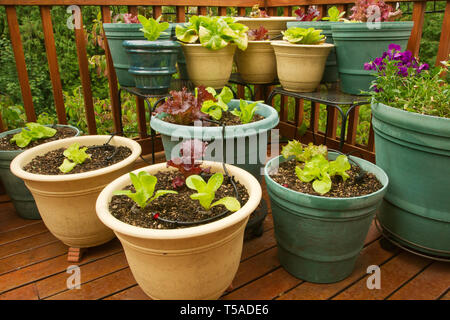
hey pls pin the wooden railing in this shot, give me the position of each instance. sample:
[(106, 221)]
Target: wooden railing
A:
[(288, 128)]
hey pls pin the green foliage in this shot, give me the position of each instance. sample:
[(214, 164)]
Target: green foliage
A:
[(215, 107), (74, 155), (33, 132), (206, 192), (334, 15), (152, 28), (144, 184), (246, 111), (13, 115), (213, 32), (303, 36), (303, 154)]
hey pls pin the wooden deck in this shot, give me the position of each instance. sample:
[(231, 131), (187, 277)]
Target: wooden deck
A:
[(33, 266)]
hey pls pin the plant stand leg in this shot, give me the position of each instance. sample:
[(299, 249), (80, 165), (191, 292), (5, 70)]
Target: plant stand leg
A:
[(75, 254)]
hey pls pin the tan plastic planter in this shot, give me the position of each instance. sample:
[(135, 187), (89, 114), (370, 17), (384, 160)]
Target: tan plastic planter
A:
[(257, 64), (189, 263), (210, 68), (273, 24), (299, 66), (67, 202)]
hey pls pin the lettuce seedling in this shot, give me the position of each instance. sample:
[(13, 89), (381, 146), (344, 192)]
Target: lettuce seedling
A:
[(246, 111), (312, 14), (206, 192), (215, 107), (33, 132), (303, 154), (152, 28), (144, 184), (334, 15), (74, 155), (259, 34), (297, 35)]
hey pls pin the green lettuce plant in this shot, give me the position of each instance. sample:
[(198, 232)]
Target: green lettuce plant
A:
[(246, 111), (316, 167), (152, 28), (33, 132), (297, 35), (144, 184), (213, 33), (215, 107), (74, 155), (334, 15), (206, 192)]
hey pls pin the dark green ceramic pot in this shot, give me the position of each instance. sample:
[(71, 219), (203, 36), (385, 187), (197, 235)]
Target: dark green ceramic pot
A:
[(414, 150), (15, 188), (358, 43), (152, 64), (331, 70), (320, 238)]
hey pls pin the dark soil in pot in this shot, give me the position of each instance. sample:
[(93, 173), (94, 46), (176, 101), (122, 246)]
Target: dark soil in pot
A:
[(101, 157), (354, 186), (228, 119), (61, 133), (174, 207)]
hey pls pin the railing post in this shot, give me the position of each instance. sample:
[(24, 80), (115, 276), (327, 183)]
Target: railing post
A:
[(444, 42), (416, 33)]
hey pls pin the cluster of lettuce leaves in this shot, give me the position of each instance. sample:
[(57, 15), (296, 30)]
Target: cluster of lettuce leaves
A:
[(246, 110), (298, 35), (74, 155), (213, 33), (33, 132), (317, 168), (152, 28)]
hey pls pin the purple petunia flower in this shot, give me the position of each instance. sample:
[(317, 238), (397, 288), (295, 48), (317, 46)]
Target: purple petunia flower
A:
[(424, 66), (395, 47)]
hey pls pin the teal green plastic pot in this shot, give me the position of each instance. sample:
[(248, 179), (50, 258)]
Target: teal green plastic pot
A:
[(152, 64), (414, 150), (357, 44), (331, 70), (20, 196), (116, 33), (320, 238), (245, 145), (181, 60)]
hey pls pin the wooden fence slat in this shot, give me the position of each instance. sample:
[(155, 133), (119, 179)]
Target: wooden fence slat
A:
[(52, 60), (222, 11), (21, 67), (444, 42), (141, 120), (418, 16), (241, 11), (157, 11), (80, 40), (352, 125), (2, 128), (181, 13), (202, 11), (314, 126), (112, 78), (371, 143), (332, 118), (133, 10)]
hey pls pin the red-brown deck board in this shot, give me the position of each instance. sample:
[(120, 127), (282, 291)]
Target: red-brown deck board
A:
[(33, 266)]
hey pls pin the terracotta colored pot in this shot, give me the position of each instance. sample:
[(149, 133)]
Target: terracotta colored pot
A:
[(300, 66), (210, 68), (273, 24), (67, 202), (189, 263), (257, 64)]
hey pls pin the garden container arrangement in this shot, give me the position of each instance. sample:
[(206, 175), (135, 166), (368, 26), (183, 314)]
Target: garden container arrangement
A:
[(364, 39), (301, 57), (209, 44), (257, 64), (411, 122), (309, 19), (65, 178), (322, 205), (181, 226), (152, 62), (13, 143)]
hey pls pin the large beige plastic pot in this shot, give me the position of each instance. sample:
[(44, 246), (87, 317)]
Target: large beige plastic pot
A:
[(257, 64), (190, 263), (210, 68), (67, 202), (300, 66), (273, 24)]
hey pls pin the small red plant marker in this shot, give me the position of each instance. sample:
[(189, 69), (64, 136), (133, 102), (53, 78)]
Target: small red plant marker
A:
[(155, 216)]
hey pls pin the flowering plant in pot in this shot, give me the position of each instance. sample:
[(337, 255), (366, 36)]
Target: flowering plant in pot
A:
[(152, 62), (237, 130), (13, 143), (175, 239), (209, 44), (373, 30), (323, 203), (257, 64), (411, 122), (65, 178), (301, 58), (309, 19)]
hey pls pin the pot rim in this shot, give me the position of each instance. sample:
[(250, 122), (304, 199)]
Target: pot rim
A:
[(293, 192), (158, 43), (19, 162), (284, 43), (237, 19), (251, 184), (200, 45), (360, 26)]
